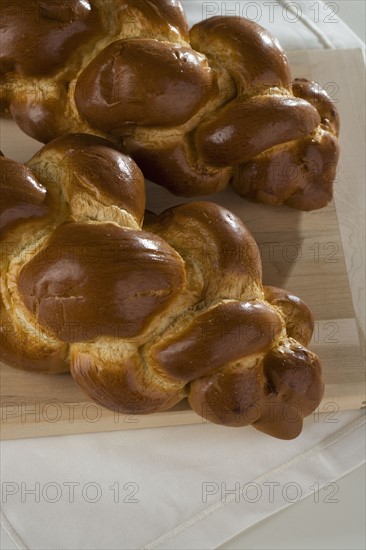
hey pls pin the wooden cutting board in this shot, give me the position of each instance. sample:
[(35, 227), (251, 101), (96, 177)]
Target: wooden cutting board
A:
[(318, 255)]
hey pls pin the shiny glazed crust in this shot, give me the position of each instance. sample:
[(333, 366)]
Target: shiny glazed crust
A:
[(146, 315), (197, 110)]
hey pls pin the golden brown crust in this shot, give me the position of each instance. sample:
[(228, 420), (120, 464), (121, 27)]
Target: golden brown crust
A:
[(274, 395), (40, 114), (177, 167), (46, 34), (196, 110), (226, 252), (61, 286), (311, 92), (19, 349), (22, 201), (298, 317), (223, 334), (249, 53), (290, 395), (145, 317), (89, 165), (125, 387), (53, 188), (127, 85), (249, 127), (145, 17)]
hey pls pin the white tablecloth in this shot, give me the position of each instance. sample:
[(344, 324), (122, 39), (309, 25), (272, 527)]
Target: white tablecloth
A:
[(183, 487)]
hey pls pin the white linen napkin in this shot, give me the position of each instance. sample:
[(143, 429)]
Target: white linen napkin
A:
[(183, 487)]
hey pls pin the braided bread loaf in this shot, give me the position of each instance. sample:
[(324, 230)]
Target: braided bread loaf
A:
[(196, 109), (146, 317)]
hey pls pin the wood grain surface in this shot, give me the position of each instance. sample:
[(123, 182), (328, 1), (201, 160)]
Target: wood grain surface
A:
[(320, 256)]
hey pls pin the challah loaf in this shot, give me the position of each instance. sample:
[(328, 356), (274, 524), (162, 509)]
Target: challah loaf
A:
[(197, 110), (146, 316)]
